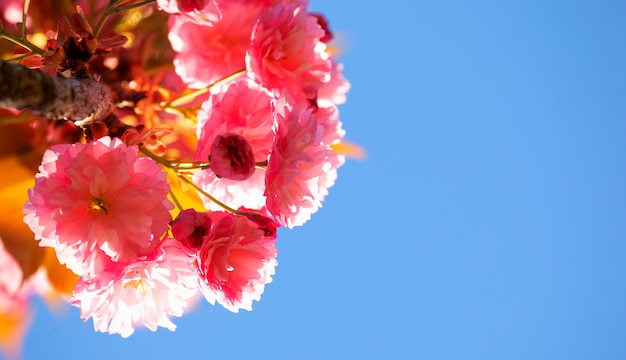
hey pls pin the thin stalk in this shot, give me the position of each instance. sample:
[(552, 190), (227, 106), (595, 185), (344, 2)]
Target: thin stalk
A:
[(175, 201), (219, 203), (131, 6), (105, 14), (192, 95), (156, 158)]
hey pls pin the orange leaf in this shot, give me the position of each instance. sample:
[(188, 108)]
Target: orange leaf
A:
[(61, 278), (186, 196), (349, 149), (15, 180)]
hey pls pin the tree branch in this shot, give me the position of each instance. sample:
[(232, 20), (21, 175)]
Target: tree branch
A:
[(83, 101)]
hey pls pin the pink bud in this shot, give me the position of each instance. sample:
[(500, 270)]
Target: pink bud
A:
[(190, 227), (232, 157), (191, 5)]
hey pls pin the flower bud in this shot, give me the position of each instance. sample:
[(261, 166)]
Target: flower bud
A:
[(232, 157), (190, 227), (191, 5)]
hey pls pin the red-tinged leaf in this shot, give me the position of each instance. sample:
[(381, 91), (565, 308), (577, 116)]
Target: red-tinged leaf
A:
[(16, 132), (80, 24), (33, 62), (113, 41), (64, 31)]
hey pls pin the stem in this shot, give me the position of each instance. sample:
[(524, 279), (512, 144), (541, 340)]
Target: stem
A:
[(192, 95), (112, 9), (24, 13), (175, 201), (219, 203), (176, 166), (132, 6), (21, 42), (156, 158), (105, 14)]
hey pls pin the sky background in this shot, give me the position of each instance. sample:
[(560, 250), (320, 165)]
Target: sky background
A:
[(487, 222)]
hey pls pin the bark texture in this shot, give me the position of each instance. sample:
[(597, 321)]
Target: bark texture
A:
[(83, 101)]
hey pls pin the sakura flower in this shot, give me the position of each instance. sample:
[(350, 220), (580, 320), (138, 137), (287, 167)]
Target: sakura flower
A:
[(334, 91), (205, 54), (236, 260), (232, 157), (14, 307), (96, 201), (190, 227), (199, 11), (244, 108), (286, 53), (146, 292), (302, 165)]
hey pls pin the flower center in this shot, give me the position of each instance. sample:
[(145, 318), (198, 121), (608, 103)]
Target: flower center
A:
[(137, 282), (97, 206)]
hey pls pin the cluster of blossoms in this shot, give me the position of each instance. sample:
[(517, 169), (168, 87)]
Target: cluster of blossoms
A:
[(253, 135)]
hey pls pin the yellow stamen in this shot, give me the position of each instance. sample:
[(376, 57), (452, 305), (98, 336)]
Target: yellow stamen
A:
[(97, 205)]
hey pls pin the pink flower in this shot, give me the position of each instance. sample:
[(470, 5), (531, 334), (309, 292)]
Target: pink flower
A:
[(232, 157), (208, 53), (15, 316), (302, 165), (244, 108), (199, 11), (236, 260), (190, 227), (286, 53), (234, 193), (146, 292), (11, 275), (96, 201), (334, 91)]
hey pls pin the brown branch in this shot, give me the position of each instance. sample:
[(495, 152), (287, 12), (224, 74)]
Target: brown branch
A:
[(83, 101)]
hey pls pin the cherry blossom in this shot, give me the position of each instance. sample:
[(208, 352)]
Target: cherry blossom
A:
[(236, 260), (145, 292), (224, 117), (286, 53), (241, 107), (190, 227), (204, 53), (302, 166), (199, 11), (232, 157), (14, 307), (96, 201), (334, 91)]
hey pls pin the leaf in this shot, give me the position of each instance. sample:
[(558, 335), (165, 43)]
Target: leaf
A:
[(15, 180), (16, 133), (187, 197), (64, 31), (111, 42), (349, 149), (80, 24), (61, 278)]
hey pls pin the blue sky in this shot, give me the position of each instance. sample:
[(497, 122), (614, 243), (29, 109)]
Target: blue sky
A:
[(487, 221)]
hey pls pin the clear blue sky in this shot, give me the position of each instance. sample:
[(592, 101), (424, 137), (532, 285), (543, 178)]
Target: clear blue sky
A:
[(488, 222)]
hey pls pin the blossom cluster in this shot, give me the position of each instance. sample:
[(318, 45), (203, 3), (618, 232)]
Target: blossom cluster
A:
[(253, 135)]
